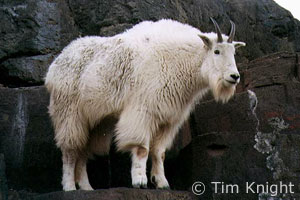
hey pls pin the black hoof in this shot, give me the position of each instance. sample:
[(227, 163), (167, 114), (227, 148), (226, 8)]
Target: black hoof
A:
[(153, 181), (140, 186)]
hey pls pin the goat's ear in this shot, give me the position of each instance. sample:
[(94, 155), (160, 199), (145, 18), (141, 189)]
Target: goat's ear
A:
[(239, 44), (206, 41)]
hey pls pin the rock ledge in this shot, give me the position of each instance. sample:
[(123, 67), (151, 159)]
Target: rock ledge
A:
[(117, 194)]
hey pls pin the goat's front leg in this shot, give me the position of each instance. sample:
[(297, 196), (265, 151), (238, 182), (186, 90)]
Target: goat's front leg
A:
[(139, 156), (158, 177), (69, 158)]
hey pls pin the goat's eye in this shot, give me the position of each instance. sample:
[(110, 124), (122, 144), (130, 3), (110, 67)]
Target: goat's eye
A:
[(217, 52)]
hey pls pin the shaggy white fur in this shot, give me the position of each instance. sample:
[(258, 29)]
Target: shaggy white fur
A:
[(147, 79)]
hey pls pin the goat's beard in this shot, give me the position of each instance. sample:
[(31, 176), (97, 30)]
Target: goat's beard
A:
[(222, 92)]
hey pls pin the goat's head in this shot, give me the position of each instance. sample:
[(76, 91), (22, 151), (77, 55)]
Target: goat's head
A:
[(219, 65)]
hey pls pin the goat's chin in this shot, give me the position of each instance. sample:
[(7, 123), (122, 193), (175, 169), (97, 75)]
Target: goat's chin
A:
[(223, 92)]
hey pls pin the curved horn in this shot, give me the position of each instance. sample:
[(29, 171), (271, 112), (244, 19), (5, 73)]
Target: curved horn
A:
[(232, 32), (218, 30)]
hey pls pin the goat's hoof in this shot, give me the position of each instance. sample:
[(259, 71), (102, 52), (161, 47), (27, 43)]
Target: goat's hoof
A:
[(66, 189), (143, 186), (140, 182), (160, 183), (87, 188), (165, 188)]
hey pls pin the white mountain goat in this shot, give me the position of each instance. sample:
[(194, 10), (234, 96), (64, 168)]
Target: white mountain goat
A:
[(148, 80)]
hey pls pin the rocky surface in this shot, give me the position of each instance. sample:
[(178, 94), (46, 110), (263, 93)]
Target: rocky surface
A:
[(33, 32), (116, 194)]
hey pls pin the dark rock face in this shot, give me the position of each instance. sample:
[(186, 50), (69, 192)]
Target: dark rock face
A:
[(3, 184), (33, 32), (31, 70), (27, 139)]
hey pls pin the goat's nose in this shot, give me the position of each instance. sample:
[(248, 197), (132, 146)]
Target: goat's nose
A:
[(235, 76)]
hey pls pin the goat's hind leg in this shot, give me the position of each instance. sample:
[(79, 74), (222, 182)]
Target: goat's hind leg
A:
[(81, 176), (99, 144)]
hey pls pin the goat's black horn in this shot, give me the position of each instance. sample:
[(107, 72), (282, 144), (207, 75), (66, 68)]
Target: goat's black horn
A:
[(232, 32), (218, 30)]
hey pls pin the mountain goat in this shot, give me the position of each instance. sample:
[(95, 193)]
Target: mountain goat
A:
[(147, 80)]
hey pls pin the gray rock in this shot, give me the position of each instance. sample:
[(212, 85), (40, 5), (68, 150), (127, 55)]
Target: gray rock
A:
[(29, 29), (31, 70), (26, 139)]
